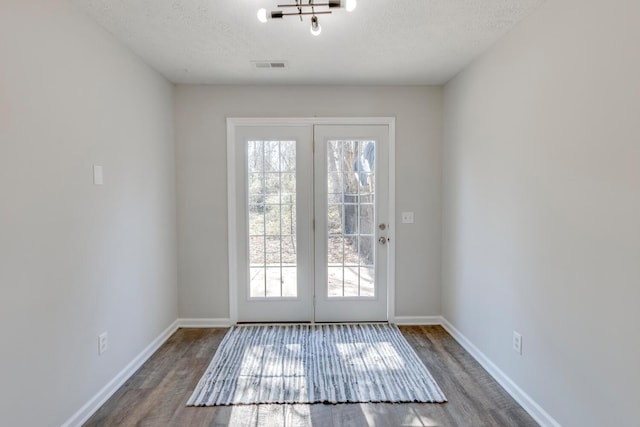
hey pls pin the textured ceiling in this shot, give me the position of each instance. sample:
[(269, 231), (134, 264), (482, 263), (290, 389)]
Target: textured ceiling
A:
[(381, 42)]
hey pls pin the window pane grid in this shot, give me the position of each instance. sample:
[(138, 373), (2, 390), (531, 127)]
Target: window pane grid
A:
[(350, 238), (272, 219)]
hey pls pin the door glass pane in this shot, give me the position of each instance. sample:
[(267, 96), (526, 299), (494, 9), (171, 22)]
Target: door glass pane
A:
[(271, 186), (350, 218)]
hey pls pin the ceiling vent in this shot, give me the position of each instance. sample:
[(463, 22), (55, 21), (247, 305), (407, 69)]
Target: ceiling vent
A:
[(269, 65)]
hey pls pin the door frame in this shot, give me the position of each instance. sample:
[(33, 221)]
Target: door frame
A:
[(233, 122)]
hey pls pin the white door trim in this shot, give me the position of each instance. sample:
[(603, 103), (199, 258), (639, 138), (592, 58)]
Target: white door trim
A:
[(233, 122)]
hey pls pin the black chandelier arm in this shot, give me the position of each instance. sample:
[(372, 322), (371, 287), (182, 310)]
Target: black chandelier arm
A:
[(279, 14)]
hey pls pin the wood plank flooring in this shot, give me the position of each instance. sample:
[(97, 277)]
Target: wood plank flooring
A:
[(156, 394)]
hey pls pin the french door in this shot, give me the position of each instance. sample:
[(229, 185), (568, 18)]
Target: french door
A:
[(309, 222), (351, 218)]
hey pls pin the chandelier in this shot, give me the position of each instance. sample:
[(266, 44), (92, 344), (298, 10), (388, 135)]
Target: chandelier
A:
[(309, 8)]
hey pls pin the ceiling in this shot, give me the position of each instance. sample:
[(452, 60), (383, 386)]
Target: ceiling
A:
[(423, 42)]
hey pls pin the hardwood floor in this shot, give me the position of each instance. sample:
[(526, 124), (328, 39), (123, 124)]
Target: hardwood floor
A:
[(156, 394)]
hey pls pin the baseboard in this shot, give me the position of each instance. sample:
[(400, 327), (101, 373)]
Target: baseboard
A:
[(84, 413), (204, 323), (529, 405), (418, 320)]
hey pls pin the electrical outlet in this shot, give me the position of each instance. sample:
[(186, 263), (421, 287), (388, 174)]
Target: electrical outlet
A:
[(103, 343), (517, 342), (407, 217)]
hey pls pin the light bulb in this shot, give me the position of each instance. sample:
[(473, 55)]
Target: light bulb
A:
[(262, 15), (351, 4), (316, 29)]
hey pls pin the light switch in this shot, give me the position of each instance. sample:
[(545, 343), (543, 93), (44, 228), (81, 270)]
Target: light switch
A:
[(407, 217), (97, 174)]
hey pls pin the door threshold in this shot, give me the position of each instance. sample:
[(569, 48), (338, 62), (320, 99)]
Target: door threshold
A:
[(369, 322)]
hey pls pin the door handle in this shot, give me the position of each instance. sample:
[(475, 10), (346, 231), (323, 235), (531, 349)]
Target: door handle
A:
[(382, 240)]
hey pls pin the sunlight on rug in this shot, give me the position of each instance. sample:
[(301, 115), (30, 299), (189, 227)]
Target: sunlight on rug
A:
[(315, 363)]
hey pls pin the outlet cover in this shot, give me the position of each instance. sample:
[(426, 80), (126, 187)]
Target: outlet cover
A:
[(407, 217), (103, 343), (517, 342)]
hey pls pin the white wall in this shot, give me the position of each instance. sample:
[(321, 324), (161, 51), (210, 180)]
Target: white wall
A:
[(78, 259), (542, 208), (201, 113)]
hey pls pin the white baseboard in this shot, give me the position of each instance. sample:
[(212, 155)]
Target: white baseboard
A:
[(204, 323), (84, 413), (418, 320), (529, 405)]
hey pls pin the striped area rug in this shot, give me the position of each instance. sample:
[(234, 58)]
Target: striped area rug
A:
[(315, 363)]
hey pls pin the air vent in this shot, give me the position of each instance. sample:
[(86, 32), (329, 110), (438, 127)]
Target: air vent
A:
[(269, 65)]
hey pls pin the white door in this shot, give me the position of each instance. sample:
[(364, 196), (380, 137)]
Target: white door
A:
[(352, 222), (273, 196), (310, 208)]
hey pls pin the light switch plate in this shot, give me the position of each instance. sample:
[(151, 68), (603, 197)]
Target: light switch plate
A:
[(97, 175)]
